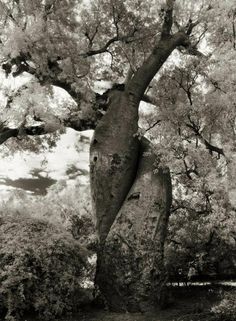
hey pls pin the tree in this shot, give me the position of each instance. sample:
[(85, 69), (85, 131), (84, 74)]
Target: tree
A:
[(75, 45)]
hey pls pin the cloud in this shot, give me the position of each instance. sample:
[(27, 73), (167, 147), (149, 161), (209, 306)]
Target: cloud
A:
[(54, 163)]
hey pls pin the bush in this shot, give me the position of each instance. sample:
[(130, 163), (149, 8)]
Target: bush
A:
[(64, 205), (226, 309), (41, 268)]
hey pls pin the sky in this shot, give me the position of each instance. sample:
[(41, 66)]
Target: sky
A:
[(54, 163)]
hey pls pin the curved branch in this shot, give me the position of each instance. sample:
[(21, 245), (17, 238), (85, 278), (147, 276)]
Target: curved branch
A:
[(103, 49)]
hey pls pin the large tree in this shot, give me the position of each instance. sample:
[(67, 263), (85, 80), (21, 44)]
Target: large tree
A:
[(81, 45)]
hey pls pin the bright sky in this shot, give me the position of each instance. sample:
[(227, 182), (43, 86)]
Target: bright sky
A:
[(20, 164), (65, 154)]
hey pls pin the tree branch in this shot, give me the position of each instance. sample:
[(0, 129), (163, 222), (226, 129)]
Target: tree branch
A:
[(80, 124), (168, 19), (190, 26), (234, 30), (38, 130), (207, 144), (142, 77), (153, 125), (193, 126), (189, 171), (8, 133), (22, 66), (188, 46), (149, 99), (104, 49)]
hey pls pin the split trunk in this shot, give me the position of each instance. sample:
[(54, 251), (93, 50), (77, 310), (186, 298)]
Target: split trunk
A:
[(131, 201), (131, 197)]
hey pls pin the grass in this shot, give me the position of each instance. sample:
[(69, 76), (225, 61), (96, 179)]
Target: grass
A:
[(186, 304)]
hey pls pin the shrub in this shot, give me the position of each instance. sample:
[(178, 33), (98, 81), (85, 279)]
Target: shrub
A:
[(41, 268), (226, 309), (64, 205)]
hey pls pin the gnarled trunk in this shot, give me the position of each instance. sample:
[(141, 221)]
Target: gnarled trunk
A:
[(130, 272), (131, 201), (113, 159)]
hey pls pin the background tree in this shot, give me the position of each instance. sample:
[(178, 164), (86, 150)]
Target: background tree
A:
[(75, 45)]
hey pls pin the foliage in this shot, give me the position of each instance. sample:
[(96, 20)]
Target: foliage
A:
[(201, 230), (201, 238), (194, 118), (41, 268), (76, 45), (66, 206), (226, 309)]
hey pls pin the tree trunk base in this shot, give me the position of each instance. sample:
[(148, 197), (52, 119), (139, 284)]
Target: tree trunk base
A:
[(129, 279), (130, 269)]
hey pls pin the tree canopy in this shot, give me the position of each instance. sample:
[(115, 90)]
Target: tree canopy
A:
[(77, 45), (156, 82), (59, 58)]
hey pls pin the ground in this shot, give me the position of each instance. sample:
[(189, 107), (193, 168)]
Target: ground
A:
[(185, 304)]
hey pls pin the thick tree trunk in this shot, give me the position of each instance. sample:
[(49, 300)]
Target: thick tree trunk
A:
[(131, 202), (113, 159), (130, 272), (131, 229)]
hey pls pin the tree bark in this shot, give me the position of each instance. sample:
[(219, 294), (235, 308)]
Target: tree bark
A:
[(130, 271), (113, 159), (131, 203)]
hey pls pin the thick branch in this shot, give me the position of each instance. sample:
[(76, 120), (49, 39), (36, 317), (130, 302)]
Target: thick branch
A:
[(79, 121), (22, 66), (213, 148), (149, 99), (81, 124), (168, 18), (189, 47), (7, 133), (38, 130), (160, 53)]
